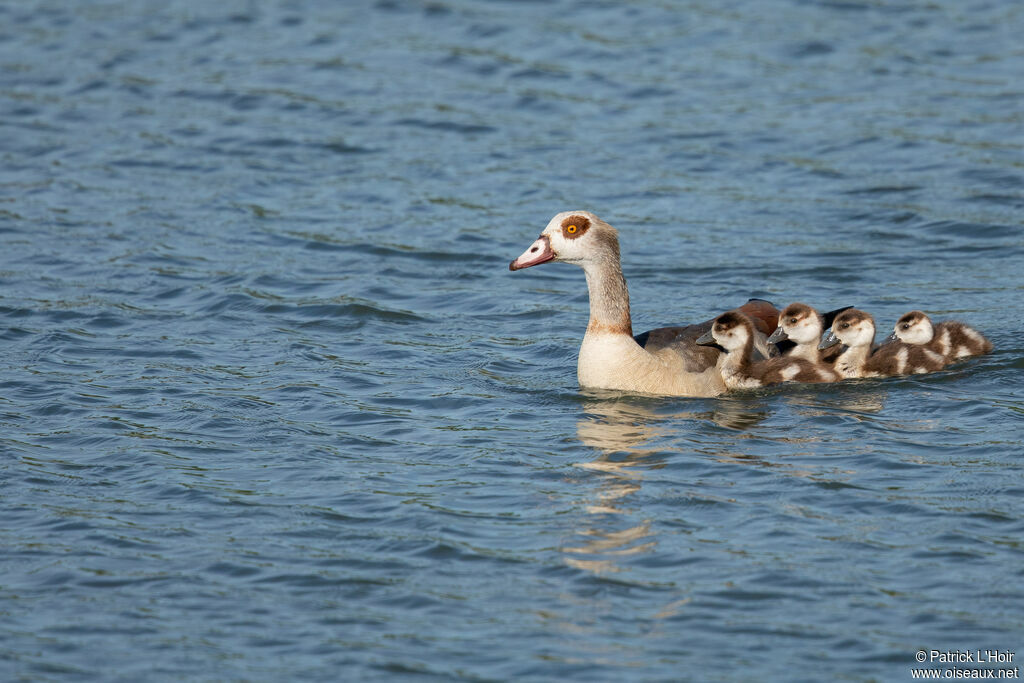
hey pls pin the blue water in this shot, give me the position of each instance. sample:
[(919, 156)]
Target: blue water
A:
[(272, 407)]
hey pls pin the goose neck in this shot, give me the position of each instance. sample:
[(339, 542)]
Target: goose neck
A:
[(609, 299)]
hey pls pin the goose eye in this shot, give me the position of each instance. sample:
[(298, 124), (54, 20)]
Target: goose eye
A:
[(906, 326), (571, 229), (844, 326), (792, 321)]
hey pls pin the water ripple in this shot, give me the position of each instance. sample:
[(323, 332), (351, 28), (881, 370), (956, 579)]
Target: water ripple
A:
[(272, 405)]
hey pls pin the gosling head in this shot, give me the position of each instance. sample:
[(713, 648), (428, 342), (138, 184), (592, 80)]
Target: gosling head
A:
[(913, 328), (852, 327), (799, 323), (732, 331)]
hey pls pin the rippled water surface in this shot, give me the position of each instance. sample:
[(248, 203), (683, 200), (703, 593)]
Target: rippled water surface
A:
[(272, 407)]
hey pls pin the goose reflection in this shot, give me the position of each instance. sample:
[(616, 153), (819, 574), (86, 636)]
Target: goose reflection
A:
[(626, 432), (634, 435), (855, 397)]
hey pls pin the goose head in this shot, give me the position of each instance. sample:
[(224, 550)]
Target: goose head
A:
[(732, 331), (851, 328), (913, 328), (799, 323), (577, 237)]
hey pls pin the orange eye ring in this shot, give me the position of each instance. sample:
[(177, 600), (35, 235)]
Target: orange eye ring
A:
[(571, 229)]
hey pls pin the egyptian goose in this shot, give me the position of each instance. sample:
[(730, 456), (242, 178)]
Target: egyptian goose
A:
[(663, 361), (856, 330), (803, 326), (950, 339), (734, 332)]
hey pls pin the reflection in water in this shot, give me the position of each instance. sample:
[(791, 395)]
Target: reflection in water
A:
[(622, 423), (853, 396), (623, 431), (610, 545), (626, 432), (619, 430)]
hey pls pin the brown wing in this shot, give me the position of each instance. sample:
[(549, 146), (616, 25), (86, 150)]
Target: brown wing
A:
[(764, 314), (830, 355), (682, 339)]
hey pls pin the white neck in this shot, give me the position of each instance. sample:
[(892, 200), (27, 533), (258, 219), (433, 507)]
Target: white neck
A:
[(806, 350)]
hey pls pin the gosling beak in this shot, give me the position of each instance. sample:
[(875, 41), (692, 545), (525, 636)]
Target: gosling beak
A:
[(539, 252), (778, 335), (828, 341), (890, 339), (706, 339)]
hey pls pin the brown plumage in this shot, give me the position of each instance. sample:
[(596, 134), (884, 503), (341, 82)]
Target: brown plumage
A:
[(734, 332), (950, 339), (663, 361), (856, 330)]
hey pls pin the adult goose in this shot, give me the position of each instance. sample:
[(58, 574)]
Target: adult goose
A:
[(664, 361)]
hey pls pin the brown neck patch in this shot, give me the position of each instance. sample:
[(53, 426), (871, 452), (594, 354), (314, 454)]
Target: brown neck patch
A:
[(623, 327), (575, 226)]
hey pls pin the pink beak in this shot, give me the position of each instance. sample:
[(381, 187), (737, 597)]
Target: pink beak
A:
[(539, 252)]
